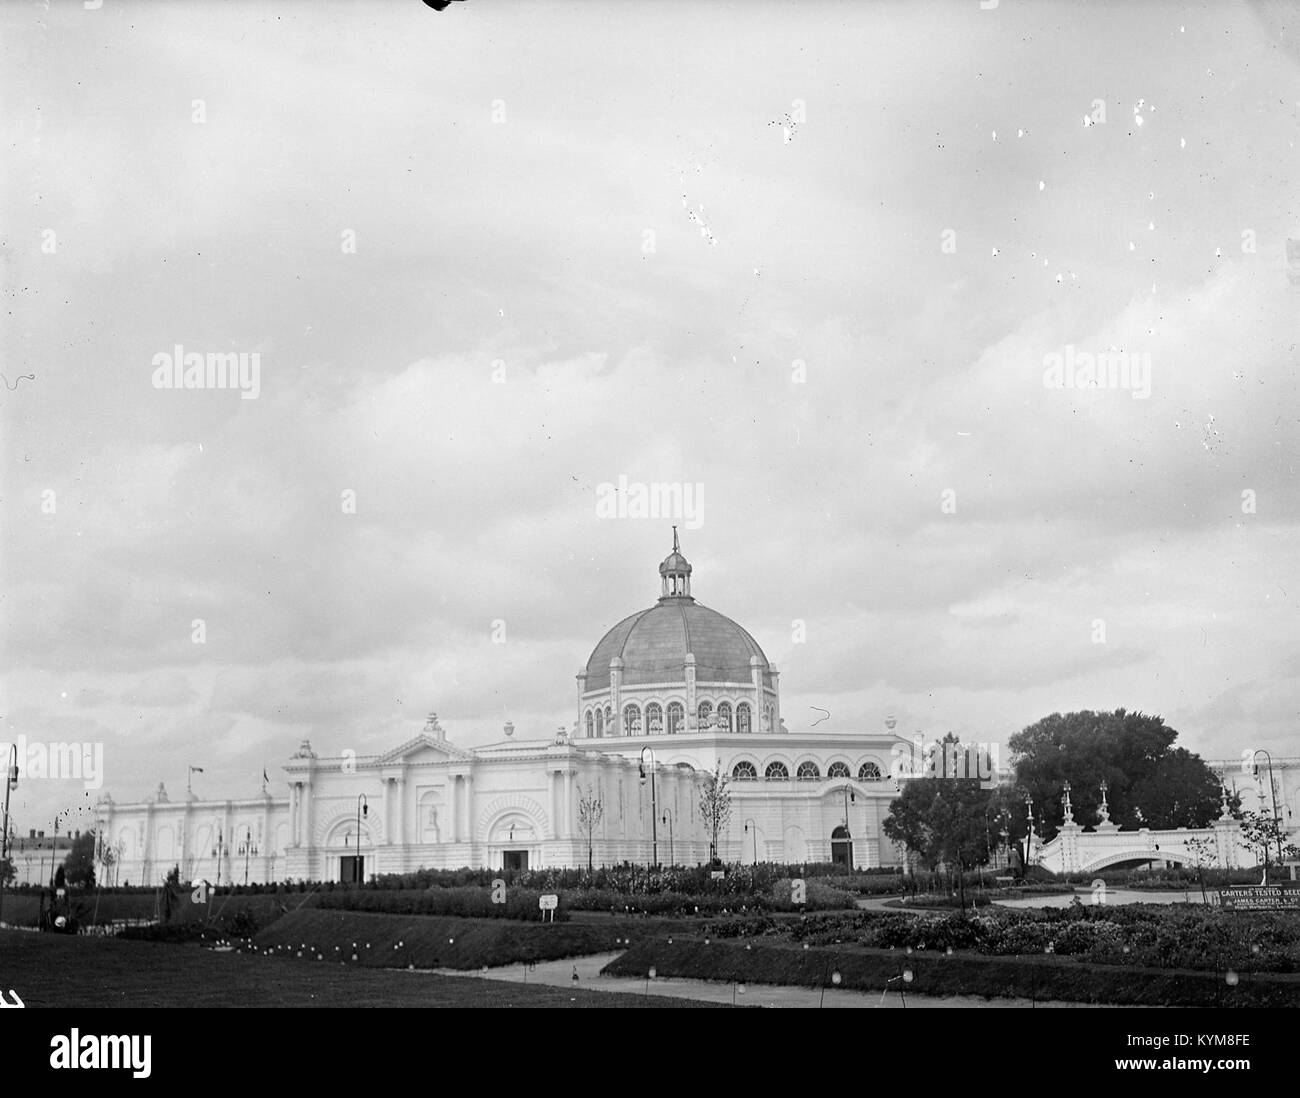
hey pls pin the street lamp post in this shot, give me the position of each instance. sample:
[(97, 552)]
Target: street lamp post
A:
[(669, 821), (248, 849), (654, 803), (220, 851), (54, 845), (1029, 838), (1277, 820), (748, 821), (11, 781), (363, 809)]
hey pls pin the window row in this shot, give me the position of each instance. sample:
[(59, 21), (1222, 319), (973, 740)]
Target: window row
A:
[(600, 722), (807, 772)]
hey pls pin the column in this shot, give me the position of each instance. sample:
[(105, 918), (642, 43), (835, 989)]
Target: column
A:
[(582, 689), (266, 845), (403, 810), (570, 805), (689, 669), (615, 692), (1071, 862), (467, 836), (554, 790)]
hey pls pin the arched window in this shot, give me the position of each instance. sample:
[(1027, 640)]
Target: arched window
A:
[(742, 718), (600, 723), (590, 724), (724, 716), (675, 716), (808, 772), (838, 770), (744, 772), (654, 719), (704, 713), (869, 772), (631, 720), (776, 772)]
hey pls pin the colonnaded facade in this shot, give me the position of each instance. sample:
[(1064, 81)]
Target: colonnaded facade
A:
[(669, 695)]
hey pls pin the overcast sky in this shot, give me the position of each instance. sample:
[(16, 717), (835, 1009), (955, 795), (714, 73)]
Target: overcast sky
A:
[(811, 257)]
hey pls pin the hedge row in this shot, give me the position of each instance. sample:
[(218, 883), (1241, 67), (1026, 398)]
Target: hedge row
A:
[(1037, 978), (1152, 936), (520, 903)]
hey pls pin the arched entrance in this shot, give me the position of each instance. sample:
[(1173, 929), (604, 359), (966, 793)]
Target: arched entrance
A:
[(842, 847), (512, 839)]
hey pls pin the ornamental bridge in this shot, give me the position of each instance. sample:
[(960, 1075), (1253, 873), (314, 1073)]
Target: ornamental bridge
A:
[(1074, 850)]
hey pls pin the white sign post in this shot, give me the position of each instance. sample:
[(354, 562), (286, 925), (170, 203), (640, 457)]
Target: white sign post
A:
[(549, 903)]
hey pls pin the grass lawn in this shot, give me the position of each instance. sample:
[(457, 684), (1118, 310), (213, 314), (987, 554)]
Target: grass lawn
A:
[(55, 970), (445, 941)]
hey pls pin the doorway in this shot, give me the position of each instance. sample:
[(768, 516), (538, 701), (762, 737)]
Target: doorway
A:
[(842, 847), (514, 859), (352, 868)]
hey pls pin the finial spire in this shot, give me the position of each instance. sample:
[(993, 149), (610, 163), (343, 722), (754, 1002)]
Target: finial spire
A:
[(675, 572)]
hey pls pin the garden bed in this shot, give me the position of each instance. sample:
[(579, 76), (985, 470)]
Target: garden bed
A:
[(944, 974)]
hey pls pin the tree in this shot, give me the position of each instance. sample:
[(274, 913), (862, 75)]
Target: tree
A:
[(1265, 833), (715, 806), (590, 813), (944, 821), (1132, 752), (79, 865), (1203, 850), (8, 874)]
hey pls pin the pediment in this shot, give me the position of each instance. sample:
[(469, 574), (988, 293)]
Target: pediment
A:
[(423, 750)]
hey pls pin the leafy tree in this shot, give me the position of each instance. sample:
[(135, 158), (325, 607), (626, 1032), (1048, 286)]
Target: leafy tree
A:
[(1132, 752), (590, 813), (79, 865), (715, 805), (8, 874), (953, 822), (1265, 833)]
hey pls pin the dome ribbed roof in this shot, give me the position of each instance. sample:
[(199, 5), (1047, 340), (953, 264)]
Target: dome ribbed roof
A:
[(674, 562), (653, 645)]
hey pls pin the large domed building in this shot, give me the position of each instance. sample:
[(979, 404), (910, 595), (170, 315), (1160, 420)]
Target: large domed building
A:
[(677, 667), (669, 696)]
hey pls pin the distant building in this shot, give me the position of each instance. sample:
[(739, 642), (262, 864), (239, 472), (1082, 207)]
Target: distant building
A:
[(36, 855), (1248, 776), (677, 688)]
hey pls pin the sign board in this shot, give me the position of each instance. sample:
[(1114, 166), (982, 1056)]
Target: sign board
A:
[(548, 903), (717, 874), (1260, 898)]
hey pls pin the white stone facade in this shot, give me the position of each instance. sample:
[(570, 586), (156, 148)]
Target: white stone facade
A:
[(430, 803)]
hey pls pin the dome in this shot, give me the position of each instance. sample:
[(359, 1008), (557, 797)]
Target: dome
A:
[(674, 562), (653, 644)]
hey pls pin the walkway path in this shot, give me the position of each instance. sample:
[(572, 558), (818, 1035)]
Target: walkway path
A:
[(560, 974)]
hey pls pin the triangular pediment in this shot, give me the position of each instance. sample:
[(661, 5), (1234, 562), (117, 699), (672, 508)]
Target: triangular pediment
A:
[(423, 750)]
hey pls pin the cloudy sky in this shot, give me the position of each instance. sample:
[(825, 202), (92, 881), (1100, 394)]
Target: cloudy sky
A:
[(812, 258)]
